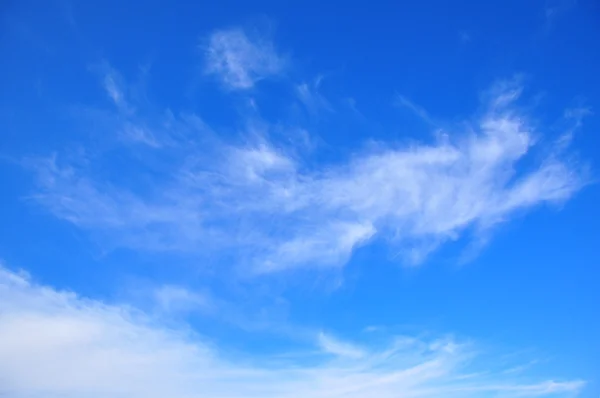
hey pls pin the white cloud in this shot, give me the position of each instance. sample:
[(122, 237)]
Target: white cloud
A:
[(261, 202), (112, 90), (171, 298), (329, 245), (332, 345), (414, 108), (240, 61), (311, 98), (57, 344), (577, 114), (139, 134), (504, 92), (114, 87)]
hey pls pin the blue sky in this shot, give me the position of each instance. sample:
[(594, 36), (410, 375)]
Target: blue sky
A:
[(277, 199)]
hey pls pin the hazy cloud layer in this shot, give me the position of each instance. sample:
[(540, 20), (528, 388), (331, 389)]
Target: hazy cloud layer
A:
[(90, 349)]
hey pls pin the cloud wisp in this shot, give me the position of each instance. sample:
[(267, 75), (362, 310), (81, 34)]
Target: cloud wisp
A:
[(310, 97), (261, 200), (240, 61), (418, 110), (91, 349)]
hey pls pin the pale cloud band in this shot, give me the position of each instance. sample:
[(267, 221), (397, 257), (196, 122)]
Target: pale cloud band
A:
[(57, 344), (261, 199)]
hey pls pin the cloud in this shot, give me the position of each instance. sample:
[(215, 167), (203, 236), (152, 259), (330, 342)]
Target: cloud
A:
[(115, 87), (140, 135), (504, 93), (311, 98), (555, 9), (577, 114), (57, 344), (335, 346), (113, 91), (274, 209), (239, 61), (414, 108), (171, 298), (131, 127)]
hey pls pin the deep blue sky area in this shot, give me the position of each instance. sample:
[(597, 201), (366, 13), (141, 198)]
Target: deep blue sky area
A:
[(299, 199)]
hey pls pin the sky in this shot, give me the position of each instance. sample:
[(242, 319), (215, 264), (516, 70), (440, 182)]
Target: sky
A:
[(299, 199)]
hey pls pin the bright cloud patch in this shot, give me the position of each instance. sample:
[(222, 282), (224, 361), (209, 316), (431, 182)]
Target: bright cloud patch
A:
[(240, 61), (260, 201), (56, 344)]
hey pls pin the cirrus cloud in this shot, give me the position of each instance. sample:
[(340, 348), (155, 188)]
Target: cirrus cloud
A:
[(92, 349), (239, 61), (261, 201)]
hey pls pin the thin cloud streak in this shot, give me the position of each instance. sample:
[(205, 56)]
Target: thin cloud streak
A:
[(91, 349), (419, 111)]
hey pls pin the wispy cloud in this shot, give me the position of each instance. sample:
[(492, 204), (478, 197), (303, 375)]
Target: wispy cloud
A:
[(114, 86), (414, 108), (91, 349), (172, 298), (311, 98), (139, 134), (555, 9), (260, 201), (503, 92), (125, 116), (332, 345), (113, 91), (239, 60), (577, 114)]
